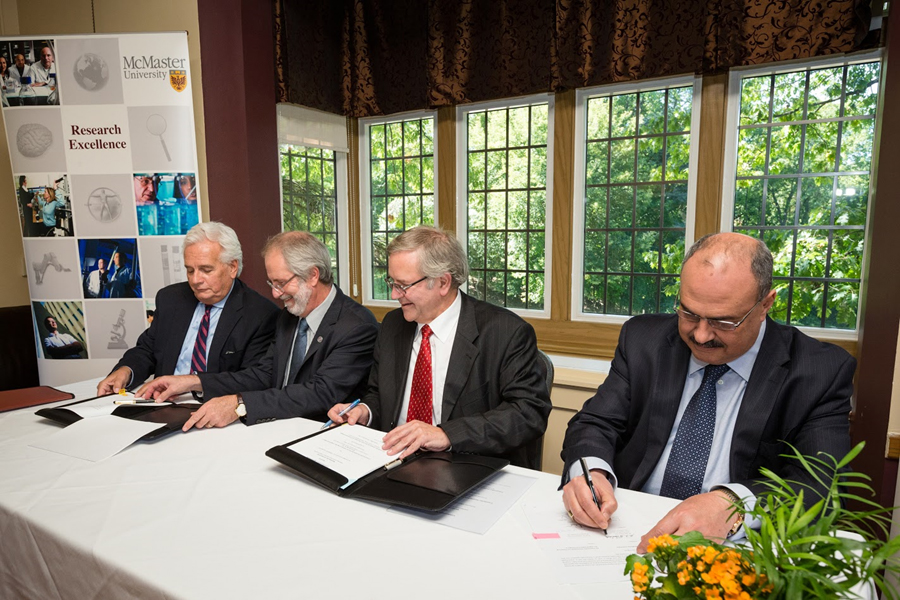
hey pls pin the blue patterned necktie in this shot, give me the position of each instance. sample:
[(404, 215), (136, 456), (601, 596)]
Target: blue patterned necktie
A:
[(690, 450), (298, 353)]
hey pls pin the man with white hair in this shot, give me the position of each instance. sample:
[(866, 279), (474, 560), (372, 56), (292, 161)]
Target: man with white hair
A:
[(212, 323), (320, 356)]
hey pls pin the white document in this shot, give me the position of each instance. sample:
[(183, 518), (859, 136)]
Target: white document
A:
[(580, 554), (97, 438), (349, 450), (482, 506), (104, 405)]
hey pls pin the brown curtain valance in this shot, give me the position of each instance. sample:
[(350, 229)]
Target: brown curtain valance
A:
[(368, 57)]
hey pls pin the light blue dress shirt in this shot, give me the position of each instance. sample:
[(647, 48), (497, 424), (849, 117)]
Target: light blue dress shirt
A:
[(183, 366)]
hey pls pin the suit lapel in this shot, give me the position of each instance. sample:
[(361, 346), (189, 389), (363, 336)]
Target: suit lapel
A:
[(402, 350), (328, 322), (181, 322), (766, 378), (231, 314), (462, 357), (671, 371)]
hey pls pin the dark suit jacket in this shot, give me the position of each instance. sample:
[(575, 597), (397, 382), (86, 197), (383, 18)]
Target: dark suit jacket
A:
[(334, 369), (799, 392), (495, 396), (242, 335)]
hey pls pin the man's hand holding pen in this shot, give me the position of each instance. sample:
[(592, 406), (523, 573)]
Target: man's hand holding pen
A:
[(358, 414), (579, 501)]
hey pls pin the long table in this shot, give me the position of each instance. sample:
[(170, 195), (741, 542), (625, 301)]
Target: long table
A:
[(207, 515)]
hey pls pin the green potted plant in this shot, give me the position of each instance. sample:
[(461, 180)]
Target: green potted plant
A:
[(797, 553)]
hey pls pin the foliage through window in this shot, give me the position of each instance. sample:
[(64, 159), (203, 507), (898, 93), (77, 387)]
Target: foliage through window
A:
[(309, 195), (804, 158), (401, 176), (637, 154), (506, 187)]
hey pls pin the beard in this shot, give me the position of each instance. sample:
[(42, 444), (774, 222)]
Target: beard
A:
[(301, 299)]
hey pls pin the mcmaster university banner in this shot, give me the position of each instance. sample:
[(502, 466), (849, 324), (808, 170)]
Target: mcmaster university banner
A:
[(100, 130)]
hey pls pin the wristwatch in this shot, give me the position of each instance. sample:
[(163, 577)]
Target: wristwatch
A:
[(733, 498), (241, 409)]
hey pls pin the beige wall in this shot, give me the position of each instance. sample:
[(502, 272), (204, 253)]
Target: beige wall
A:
[(571, 388), (894, 423), (59, 17)]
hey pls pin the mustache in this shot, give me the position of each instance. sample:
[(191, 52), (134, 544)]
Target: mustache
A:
[(713, 343)]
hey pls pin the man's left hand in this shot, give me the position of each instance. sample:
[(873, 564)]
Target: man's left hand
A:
[(413, 436), (709, 513), (217, 412)]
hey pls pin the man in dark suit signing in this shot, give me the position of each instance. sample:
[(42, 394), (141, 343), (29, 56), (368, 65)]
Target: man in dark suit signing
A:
[(451, 372), (321, 353), (211, 323), (696, 402)]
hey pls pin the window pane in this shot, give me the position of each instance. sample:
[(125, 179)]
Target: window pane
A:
[(309, 196), (634, 218), (806, 192), (505, 226), (401, 171)]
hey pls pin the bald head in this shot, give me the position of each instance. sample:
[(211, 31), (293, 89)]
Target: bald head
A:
[(725, 251)]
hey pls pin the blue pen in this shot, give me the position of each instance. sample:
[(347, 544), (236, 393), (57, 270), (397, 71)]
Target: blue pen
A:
[(329, 422)]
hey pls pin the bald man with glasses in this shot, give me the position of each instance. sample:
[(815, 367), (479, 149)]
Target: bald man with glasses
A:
[(698, 401)]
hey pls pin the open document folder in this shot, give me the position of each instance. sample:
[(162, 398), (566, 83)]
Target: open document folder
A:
[(349, 461), (168, 417)]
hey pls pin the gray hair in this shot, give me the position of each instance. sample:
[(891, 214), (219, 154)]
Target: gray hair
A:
[(302, 251), (760, 256), (222, 234), (438, 251)]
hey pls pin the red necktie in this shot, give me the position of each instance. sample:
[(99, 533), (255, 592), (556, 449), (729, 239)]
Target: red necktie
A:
[(420, 396)]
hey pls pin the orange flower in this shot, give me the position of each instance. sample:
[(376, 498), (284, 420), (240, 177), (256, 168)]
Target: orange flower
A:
[(661, 541)]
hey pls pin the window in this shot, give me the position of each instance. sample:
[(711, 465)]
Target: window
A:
[(309, 198), (397, 184), (633, 181), (506, 213), (800, 182)]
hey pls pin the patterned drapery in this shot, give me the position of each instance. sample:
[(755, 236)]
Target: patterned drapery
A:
[(368, 57)]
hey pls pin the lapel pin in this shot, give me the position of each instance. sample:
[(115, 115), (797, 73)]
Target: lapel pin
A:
[(319, 339)]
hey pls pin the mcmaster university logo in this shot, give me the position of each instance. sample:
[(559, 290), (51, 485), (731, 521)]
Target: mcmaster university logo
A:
[(178, 79)]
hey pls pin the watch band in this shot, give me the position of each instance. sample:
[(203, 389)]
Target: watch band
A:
[(735, 500)]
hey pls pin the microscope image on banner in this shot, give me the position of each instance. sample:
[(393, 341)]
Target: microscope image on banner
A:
[(114, 325), (110, 268), (103, 205), (45, 205), (166, 203), (28, 73), (60, 328)]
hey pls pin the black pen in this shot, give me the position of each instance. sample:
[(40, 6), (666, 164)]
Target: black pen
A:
[(590, 482)]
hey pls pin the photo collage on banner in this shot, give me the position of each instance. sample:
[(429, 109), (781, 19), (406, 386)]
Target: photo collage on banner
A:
[(100, 131)]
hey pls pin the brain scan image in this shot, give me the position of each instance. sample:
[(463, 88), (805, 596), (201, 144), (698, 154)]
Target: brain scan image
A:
[(33, 139)]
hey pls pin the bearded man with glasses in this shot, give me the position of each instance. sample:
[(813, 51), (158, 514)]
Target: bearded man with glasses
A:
[(321, 353), (698, 401)]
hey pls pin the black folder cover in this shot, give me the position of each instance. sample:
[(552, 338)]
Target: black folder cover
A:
[(171, 417), (426, 480)]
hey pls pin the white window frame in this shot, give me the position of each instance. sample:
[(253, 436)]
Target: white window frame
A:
[(462, 171), (343, 210), (732, 119), (365, 196), (581, 97)]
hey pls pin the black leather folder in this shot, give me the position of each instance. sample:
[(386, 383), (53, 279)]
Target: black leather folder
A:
[(426, 480), (171, 417)]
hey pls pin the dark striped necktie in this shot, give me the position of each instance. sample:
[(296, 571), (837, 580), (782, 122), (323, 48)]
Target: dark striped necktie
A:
[(198, 358)]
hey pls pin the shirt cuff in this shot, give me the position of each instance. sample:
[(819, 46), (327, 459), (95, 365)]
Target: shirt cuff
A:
[(749, 499), (369, 422), (593, 463)]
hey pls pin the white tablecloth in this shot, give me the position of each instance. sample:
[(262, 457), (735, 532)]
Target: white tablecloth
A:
[(207, 515)]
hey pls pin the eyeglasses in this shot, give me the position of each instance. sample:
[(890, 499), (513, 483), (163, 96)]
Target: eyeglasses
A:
[(399, 287), (279, 287), (714, 323)]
